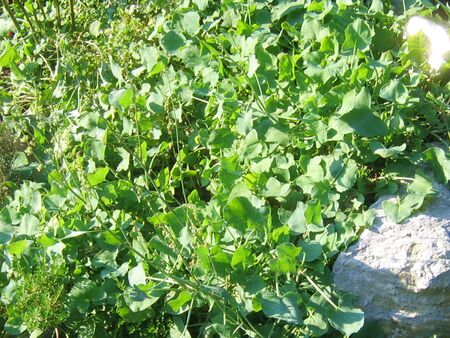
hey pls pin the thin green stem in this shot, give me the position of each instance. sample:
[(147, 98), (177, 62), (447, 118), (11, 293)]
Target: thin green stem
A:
[(324, 295), (36, 19), (27, 17), (11, 15), (72, 15), (58, 14), (39, 3)]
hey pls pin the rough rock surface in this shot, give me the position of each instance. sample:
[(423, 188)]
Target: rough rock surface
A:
[(400, 273)]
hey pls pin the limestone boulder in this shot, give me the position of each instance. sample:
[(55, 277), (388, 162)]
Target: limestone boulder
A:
[(400, 273)]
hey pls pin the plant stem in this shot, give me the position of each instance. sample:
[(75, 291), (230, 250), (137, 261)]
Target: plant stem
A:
[(42, 10), (324, 295), (11, 15), (27, 17), (72, 14), (58, 14), (37, 20)]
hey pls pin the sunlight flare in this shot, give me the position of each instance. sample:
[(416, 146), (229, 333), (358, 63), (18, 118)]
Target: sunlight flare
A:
[(436, 35)]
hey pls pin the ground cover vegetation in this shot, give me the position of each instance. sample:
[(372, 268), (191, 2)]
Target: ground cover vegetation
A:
[(192, 168)]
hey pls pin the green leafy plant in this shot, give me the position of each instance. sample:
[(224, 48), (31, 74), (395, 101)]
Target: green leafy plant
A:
[(37, 304), (199, 165)]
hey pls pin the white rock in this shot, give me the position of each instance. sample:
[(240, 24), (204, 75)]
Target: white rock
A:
[(400, 273)]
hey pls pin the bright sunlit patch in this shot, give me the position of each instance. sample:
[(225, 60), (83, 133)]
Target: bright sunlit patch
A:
[(436, 35)]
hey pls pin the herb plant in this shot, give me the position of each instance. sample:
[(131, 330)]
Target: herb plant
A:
[(38, 297)]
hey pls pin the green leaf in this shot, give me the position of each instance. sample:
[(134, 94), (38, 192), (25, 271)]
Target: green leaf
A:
[(221, 138), (347, 320), (122, 98), (421, 185), (346, 177), (36, 333), (385, 39), (83, 293), (18, 247), (418, 47), (136, 275), (210, 76), (140, 246), (97, 177), (116, 70), (6, 231), (275, 188), (376, 6), (310, 250), (55, 201), (105, 260), (244, 123), (282, 232), (285, 67), (190, 22), (396, 210), (323, 74), (288, 250), (286, 261), (178, 219), (185, 236), (138, 300), (149, 57), (177, 303), (358, 35), (29, 225), (240, 257), (250, 147), (201, 4), (94, 28), (284, 308), (277, 134), (14, 326), (124, 164), (283, 8), (356, 114), (353, 101), (283, 265), (317, 324), (439, 162), (253, 65), (379, 149), (395, 90), (203, 257), (312, 29), (178, 329), (399, 209), (240, 214), (73, 234), (365, 123), (155, 103), (31, 196), (172, 41), (162, 247), (297, 221), (313, 216), (8, 54)]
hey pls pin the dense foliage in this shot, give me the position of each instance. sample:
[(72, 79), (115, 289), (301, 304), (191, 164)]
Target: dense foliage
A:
[(192, 168)]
